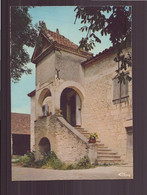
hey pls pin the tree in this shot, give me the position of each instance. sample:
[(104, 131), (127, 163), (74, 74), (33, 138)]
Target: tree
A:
[(22, 34), (107, 20)]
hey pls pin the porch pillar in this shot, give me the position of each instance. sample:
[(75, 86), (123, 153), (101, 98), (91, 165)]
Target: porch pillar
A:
[(78, 110)]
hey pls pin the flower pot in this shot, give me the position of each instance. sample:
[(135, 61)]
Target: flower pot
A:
[(92, 140)]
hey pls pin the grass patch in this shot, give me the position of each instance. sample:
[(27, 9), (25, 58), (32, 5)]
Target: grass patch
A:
[(25, 160)]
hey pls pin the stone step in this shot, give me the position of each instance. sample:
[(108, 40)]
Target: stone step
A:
[(111, 162), (83, 131), (104, 154), (107, 153), (98, 140), (104, 150), (87, 136), (100, 145), (79, 128), (104, 157)]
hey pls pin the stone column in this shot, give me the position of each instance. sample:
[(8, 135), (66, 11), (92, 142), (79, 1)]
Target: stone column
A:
[(78, 110), (56, 98), (92, 152), (11, 144)]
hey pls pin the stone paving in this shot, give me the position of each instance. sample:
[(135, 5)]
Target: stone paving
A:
[(110, 172)]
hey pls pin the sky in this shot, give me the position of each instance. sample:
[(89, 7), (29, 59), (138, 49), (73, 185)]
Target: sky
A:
[(61, 17)]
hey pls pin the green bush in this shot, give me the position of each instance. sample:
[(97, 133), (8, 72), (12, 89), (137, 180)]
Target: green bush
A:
[(51, 160), (27, 159), (84, 163), (37, 164), (31, 155), (48, 157), (56, 163), (70, 166)]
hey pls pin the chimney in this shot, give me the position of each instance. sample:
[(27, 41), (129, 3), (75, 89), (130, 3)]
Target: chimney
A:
[(57, 31)]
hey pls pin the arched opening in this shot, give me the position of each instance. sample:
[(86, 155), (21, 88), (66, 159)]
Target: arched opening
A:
[(44, 94), (70, 104), (44, 145), (45, 101)]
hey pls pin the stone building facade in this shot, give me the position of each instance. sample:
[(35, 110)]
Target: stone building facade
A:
[(85, 91)]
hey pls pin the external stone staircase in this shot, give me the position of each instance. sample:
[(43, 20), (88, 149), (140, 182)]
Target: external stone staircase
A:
[(104, 154)]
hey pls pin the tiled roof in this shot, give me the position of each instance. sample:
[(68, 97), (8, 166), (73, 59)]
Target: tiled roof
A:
[(20, 123), (59, 42), (99, 56), (60, 39), (32, 93)]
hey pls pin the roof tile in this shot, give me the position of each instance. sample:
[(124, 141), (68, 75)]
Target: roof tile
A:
[(60, 39), (20, 123)]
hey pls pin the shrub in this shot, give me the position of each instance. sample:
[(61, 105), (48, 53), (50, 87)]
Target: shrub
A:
[(51, 160), (70, 166), (27, 159), (96, 162), (84, 163), (37, 164), (56, 163), (31, 155)]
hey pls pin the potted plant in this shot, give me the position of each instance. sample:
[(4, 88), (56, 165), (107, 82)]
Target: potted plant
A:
[(58, 111), (93, 137)]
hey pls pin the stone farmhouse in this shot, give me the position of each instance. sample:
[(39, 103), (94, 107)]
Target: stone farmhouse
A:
[(77, 94), (20, 133)]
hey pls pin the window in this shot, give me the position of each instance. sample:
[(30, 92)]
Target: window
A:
[(120, 91)]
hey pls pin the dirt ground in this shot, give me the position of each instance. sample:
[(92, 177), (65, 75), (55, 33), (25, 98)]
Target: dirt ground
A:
[(98, 173)]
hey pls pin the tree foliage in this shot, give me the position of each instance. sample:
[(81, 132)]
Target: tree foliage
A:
[(22, 34), (107, 20)]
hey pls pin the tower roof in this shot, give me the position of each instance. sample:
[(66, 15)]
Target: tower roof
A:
[(60, 39), (54, 40)]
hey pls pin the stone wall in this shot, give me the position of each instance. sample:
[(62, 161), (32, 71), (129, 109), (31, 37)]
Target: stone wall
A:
[(99, 114), (45, 69), (69, 66), (69, 145)]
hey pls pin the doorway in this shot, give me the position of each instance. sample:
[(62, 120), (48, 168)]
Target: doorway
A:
[(70, 104), (21, 144), (44, 145)]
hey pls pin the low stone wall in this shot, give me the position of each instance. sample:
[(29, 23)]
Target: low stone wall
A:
[(68, 144)]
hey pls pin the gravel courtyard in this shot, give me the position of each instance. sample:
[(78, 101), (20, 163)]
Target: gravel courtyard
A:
[(110, 172)]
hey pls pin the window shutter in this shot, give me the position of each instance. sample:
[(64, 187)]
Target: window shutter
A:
[(116, 89), (124, 88)]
